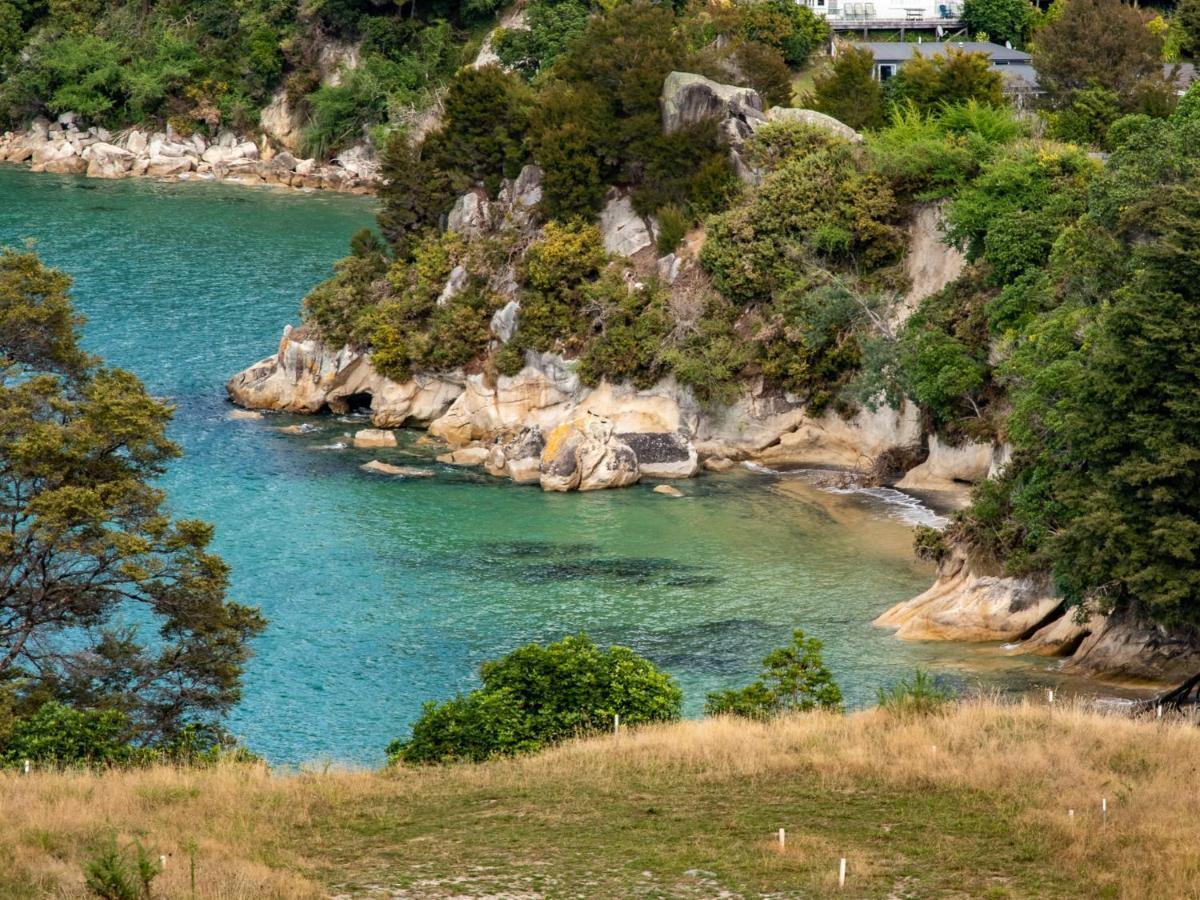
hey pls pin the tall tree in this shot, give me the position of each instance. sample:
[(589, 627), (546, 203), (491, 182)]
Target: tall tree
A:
[(848, 90), (105, 601), (1000, 20), (956, 77), (1102, 42)]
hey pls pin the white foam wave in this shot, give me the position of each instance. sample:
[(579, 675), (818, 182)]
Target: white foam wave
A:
[(897, 504)]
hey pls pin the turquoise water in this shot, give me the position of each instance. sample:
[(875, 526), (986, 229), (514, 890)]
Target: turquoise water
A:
[(382, 593)]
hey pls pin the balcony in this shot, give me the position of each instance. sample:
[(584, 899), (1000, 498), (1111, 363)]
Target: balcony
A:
[(866, 16)]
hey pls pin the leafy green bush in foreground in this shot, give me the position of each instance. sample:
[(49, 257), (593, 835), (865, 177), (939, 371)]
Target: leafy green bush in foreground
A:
[(536, 696)]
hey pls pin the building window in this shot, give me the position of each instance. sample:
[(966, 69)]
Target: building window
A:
[(886, 71)]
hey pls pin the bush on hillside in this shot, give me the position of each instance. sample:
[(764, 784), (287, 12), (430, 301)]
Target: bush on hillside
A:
[(794, 679), (929, 82), (848, 90), (820, 209), (537, 696)]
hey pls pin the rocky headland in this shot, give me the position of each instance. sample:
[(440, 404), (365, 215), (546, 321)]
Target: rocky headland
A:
[(544, 425)]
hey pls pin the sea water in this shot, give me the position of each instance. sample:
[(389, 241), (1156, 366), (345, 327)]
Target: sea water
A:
[(382, 593)]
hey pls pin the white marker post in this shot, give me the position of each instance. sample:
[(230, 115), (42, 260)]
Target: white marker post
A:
[(617, 724), (782, 838), (1050, 695), (1104, 808), (26, 767), (842, 873), (1071, 816), (1159, 714)]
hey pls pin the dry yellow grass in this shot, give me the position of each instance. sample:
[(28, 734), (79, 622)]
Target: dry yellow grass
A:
[(684, 810)]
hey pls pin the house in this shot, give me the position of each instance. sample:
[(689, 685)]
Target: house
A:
[(1015, 66), (891, 55), (855, 15)]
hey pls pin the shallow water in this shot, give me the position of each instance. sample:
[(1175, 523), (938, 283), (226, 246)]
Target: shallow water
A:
[(384, 592)]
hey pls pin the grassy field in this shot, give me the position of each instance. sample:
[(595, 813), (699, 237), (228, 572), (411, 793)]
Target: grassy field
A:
[(973, 803)]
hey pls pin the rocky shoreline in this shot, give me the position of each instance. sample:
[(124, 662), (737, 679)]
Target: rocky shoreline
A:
[(1031, 619), (61, 147)]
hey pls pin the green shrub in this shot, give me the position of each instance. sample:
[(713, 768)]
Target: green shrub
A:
[(633, 326), (113, 874), (794, 679), (929, 544), (536, 696), (918, 157), (955, 77), (689, 168), (848, 91), (60, 735), (711, 357), (672, 226), (921, 695), (1087, 119), (1000, 20), (819, 209), (552, 26)]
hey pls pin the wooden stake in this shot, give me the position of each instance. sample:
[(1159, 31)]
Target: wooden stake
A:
[(1050, 695), (782, 838), (26, 767), (842, 873), (1104, 808), (617, 724)]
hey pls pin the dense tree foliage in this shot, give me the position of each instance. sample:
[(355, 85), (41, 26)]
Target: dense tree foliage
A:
[(1000, 20), (107, 605), (848, 90), (1084, 284), (1100, 42), (540, 695)]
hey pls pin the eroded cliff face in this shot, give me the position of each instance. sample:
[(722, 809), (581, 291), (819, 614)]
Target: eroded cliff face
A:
[(669, 433)]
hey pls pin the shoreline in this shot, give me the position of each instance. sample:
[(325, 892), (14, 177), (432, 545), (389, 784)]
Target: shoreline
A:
[(62, 149)]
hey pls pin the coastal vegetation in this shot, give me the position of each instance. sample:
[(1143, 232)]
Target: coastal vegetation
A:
[(983, 798), (89, 553)]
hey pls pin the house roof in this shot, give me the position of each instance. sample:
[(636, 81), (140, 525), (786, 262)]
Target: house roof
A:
[(898, 52), (1020, 72)]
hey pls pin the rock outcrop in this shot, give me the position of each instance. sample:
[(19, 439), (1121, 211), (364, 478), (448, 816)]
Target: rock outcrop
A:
[(61, 147), (305, 377), (1026, 612), (688, 99), (584, 454), (813, 119), (947, 467), (964, 606)]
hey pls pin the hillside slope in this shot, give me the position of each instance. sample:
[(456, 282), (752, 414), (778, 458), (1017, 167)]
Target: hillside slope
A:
[(973, 803)]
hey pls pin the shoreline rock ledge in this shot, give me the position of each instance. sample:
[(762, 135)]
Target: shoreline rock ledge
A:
[(63, 148), (1028, 614)]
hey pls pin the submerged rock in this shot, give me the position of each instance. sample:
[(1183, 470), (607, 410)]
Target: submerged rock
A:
[(374, 437), (382, 468), (668, 490)]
